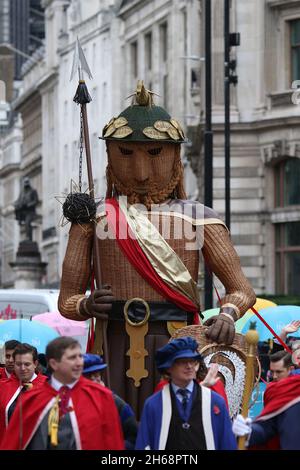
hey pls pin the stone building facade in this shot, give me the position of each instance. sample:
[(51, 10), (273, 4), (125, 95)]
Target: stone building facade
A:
[(10, 159), (265, 165), (162, 42)]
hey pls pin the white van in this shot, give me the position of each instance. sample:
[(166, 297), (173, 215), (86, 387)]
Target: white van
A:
[(25, 303)]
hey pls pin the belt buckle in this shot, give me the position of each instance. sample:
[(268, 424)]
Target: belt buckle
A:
[(137, 351), (146, 317)]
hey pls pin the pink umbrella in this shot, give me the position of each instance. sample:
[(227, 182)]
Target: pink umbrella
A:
[(61, 324)]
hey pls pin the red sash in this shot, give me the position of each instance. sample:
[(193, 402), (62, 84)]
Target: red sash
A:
[(135, 255), (278, 397)]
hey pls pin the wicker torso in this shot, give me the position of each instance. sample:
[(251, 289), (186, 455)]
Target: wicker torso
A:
[(125, 281)]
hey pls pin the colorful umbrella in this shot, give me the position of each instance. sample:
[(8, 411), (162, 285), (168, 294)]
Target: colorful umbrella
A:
[(262, 303), (27, 331), (210, 313), (259, 305), (61, 324), (277, 317)]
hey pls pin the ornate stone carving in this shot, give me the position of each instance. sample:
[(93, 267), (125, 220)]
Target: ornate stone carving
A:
[(279, 150)]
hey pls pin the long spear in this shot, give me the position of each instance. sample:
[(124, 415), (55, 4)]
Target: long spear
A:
[(82, 97), (252, 340)]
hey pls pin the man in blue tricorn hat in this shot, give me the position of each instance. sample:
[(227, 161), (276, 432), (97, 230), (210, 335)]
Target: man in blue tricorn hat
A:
[(184, 415)]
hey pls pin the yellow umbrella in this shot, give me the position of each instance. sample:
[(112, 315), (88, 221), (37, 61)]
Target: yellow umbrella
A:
[(262, 303), (259, 305)]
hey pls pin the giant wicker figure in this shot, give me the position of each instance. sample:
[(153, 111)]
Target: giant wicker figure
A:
[(149, 268)]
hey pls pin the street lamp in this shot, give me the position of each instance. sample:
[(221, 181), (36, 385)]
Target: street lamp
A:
[(208, 143), (230, 39)]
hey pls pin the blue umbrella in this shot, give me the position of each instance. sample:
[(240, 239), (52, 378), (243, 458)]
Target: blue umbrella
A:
[(27, 331), (277, 317)]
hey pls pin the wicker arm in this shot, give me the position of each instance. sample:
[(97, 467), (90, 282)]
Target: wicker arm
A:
[(223, 260), (76, 271)]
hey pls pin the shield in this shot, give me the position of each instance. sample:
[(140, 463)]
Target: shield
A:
[(27, 331)]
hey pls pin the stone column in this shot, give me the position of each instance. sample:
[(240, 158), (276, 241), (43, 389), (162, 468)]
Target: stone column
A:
[(28, 267)]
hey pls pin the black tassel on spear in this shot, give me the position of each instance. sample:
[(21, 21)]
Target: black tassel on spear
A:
[(82, 95)]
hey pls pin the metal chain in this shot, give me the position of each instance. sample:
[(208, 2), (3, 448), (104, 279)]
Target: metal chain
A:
[(80, 152)]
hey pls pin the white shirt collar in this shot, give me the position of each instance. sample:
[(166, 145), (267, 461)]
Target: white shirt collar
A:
[(33, 377), (189, 387), (56, 384)]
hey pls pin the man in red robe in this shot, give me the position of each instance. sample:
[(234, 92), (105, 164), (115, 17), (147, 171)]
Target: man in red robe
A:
[(23, 379), (68, 412), (278, 425), (9, 347)]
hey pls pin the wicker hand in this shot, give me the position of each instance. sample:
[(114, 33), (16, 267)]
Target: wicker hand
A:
[(98, 303), (221, 329)]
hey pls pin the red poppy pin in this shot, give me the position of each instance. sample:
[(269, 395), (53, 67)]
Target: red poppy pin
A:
[(216, 410)]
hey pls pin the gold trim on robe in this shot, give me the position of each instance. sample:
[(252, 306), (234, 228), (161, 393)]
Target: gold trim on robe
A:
[(162, 257)]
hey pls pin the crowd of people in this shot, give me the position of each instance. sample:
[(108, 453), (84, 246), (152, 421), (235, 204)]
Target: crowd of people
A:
[(69, 407)]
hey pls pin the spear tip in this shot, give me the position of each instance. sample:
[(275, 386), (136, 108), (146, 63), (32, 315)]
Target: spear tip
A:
[(79, 62)]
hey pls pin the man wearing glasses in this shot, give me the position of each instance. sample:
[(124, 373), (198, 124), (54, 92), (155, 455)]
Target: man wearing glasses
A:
[(184, 415)]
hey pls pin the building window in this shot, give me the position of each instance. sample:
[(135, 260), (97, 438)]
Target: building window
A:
[(134, 59), (195, 78), (287, 177), (163, 39), (295, 49), (148, 51), (287, 237), (163, 33)]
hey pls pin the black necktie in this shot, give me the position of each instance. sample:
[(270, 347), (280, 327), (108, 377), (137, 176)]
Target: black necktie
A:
[(184, 393), (11, 409), (26, 386)]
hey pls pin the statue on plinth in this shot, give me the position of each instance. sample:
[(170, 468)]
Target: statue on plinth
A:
[(25, 207)]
